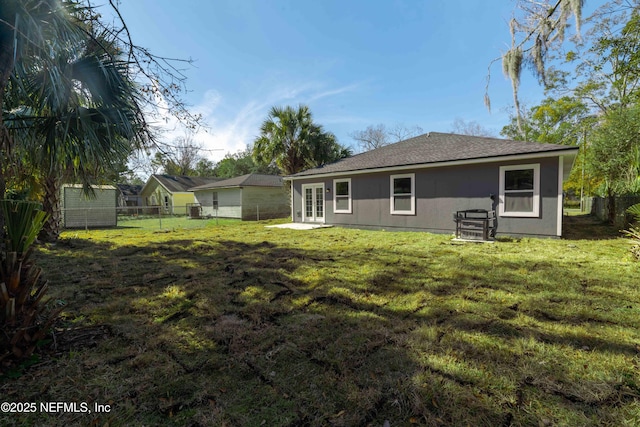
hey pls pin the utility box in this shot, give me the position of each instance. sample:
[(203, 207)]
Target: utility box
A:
[(475, 224), (195, 210), (80, 210)]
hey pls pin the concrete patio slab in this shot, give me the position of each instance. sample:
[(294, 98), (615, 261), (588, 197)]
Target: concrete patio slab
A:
[(299, 226)]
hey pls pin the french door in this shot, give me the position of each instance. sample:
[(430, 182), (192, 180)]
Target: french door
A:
[(313, 202)]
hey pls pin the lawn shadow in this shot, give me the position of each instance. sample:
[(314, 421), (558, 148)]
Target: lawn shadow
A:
[(588, 227), (231, 332)]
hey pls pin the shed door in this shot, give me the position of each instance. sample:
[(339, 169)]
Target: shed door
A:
[(313, 202)]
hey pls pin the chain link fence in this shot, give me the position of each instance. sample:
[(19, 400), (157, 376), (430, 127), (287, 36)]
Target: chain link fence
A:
[(192, 215)]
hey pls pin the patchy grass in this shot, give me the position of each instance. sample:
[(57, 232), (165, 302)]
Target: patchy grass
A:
[(171, 222), (242, 325)]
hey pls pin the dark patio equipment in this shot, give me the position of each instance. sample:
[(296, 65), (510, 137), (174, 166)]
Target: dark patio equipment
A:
[(475, 224)]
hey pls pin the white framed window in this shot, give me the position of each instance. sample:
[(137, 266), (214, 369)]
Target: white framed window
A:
[(520, 190), (403, 194), (342, 195), (214, 200)]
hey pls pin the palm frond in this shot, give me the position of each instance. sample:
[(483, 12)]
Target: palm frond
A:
[(635, 211)]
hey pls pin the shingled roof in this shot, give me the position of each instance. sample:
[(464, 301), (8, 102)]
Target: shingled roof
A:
[(180, 183), (248, 180), (129, 189), (433, 148)]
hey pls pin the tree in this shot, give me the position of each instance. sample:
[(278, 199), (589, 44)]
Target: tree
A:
[(554, 121), (537, 28), (565, 121), (372, 137), (379, 135), (182, 157), (43, 25), (400, 132), (242, 163), (81, 126), (472, 128), (43, 36), (290, 139), (593, 87), (205, 167), (603, 74), (614, 154), (608, 69)]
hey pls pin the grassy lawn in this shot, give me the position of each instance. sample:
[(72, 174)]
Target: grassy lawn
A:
[(240, 325), (171, 222)]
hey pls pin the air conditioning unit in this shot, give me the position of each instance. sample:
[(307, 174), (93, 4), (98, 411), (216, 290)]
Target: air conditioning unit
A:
[(475, 224)]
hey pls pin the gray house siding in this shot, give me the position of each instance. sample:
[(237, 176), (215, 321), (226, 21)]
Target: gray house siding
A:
[(439, 192)]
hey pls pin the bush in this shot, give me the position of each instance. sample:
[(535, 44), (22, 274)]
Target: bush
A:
[(633, 232), (24, 317)]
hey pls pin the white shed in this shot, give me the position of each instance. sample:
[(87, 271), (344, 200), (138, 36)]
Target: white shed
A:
[(247, 197), (80, 210)]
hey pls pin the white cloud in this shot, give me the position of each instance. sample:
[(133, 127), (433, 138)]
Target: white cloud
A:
[(333, 92), (233, 123)]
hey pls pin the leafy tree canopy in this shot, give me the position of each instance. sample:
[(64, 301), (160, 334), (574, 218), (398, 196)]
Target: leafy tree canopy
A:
[(291, 140), (242, 163)]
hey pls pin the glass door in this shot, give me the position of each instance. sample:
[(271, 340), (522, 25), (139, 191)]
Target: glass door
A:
[(313, 200)]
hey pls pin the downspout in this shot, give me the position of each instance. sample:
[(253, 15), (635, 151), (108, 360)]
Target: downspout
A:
[(291, 203), (560, 196)]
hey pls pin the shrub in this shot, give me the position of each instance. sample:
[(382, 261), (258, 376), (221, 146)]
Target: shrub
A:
[(24, 317), (633, 232)]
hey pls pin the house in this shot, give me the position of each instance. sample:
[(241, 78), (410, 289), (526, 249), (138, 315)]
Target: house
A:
[(248, 197), (129, 198), (419, 183), (81, 210), (170, 194)]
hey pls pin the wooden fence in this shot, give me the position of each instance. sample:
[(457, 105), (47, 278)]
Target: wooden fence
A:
[(600, 209)]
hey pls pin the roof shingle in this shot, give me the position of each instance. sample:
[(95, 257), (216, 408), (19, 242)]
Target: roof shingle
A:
[(248, 180), (434, 147), (180, 183)]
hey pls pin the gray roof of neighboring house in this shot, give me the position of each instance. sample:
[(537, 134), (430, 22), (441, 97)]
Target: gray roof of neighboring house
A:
[(248, 180), (129, 189), (180, 183), (434, 147)]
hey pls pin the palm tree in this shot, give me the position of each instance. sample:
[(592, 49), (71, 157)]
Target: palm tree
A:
[(79, 116), (29, 30), (290, 139)]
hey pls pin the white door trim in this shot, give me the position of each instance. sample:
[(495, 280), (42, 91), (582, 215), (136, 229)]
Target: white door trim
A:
[(315, 189)]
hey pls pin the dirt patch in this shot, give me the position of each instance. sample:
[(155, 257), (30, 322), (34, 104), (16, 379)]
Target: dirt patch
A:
[(588, 227), (65, 339)]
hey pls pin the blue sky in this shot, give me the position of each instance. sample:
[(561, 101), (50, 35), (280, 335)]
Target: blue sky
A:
[(355, 63)]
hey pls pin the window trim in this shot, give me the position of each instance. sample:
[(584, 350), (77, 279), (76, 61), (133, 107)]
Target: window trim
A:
[(536, 191), (412, 211), (335, 196), (214, 200)]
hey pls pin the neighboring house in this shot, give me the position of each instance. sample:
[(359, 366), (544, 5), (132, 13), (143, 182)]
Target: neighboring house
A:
[(170, 194), (248, 197), (129, 196), (80, 210), (418, 184)]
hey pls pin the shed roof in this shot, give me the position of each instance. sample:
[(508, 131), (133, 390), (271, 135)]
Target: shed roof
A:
[(93, 186), (248, 180), (180, 183), (433, 148)]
